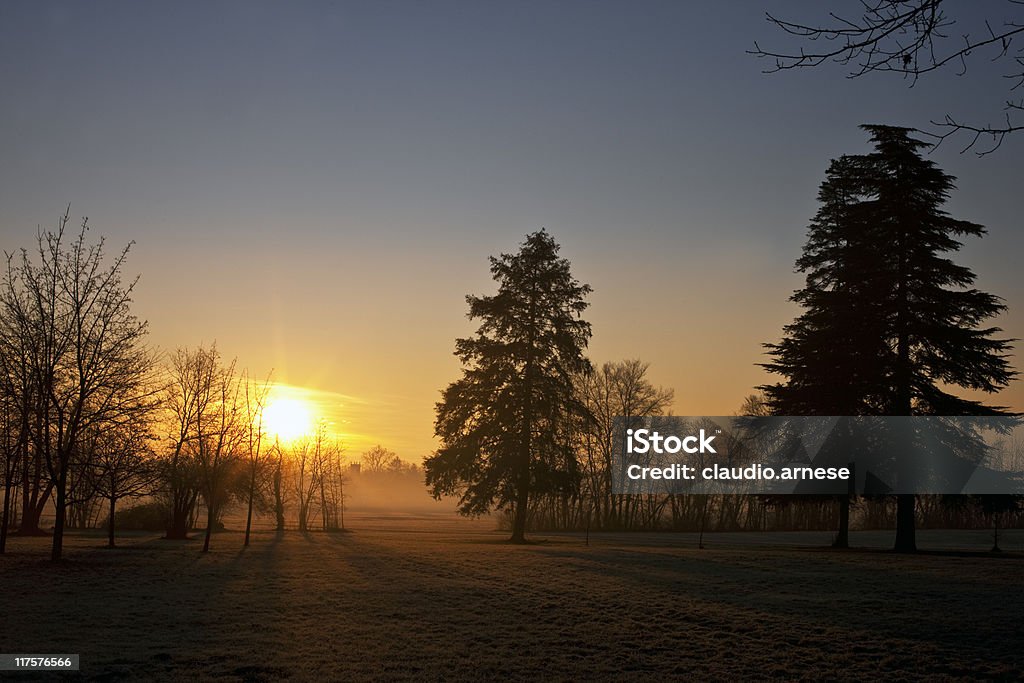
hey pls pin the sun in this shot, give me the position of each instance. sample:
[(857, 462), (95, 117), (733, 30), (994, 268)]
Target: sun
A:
[(288, 418)]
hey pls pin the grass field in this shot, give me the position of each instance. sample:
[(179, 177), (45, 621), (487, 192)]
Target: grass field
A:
[(439, 598)]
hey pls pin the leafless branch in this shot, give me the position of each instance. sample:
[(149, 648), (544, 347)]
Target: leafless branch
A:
[(911, 38)]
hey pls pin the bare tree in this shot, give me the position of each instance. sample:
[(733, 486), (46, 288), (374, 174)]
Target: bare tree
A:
[(86, 358), (310, 472), (335, 477), (913, 38), (125, 466), (24, 407), (16, 394), (184, 399), (322, 463), (256, 455), (617, 390), (379, 459), (13, 434), (220, 431), (328, 475), (209, 428), (279, 490), (303, 453)]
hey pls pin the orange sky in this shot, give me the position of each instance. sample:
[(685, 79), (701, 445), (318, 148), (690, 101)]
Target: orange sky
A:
[(369, 341)]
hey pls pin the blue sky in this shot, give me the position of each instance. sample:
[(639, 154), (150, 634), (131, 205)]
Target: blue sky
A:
[(318, 185)]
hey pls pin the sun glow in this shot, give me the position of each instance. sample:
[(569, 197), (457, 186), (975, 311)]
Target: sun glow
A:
[(287, 418)]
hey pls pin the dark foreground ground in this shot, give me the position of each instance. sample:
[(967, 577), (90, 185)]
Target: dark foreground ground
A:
[(436, 599)]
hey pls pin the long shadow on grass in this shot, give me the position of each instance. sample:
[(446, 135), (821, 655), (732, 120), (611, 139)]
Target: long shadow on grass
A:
[(341, 606), (233, 618), (794, 600), (810, 594)]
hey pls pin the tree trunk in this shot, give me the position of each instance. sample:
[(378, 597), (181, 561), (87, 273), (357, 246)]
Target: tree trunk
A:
[(178, 528), (341, 503), (248, 515), (843, 535), (5, 522), (278, 497), (703, 521), (905, 534), (35, 493), (32, 512), (522, 502), (180, 508), (209, 527), (25, 491), (323, 505), (58, 523), (110, 526), (519, 520)]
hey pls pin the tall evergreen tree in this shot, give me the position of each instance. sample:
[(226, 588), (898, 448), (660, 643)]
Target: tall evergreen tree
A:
[(832, 352), (504, 425), (890, 324)]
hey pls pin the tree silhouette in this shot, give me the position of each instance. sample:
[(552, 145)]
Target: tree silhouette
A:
[(379, 459), (505, 425), (889, 323), (125, 465), (65, 315), (220, 432), (15, 411), (613, 392), (255, 401), (184, 402), (831, 353)]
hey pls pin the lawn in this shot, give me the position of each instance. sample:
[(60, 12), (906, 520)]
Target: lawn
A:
[(439, 598)]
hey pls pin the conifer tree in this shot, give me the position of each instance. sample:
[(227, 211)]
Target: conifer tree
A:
[(504, 425), (891, 325)]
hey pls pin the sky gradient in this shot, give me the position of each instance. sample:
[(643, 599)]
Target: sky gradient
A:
[(318, 186)]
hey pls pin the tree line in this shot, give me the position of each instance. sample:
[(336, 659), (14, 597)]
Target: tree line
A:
[(890, 326), (90, 415)]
